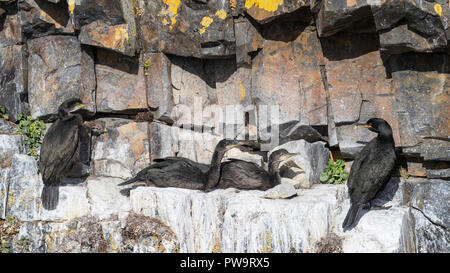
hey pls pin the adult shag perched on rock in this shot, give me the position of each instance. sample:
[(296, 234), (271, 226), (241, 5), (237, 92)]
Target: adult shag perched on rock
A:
[(59, 150), (371, 169), (181, 172), (245, 175)]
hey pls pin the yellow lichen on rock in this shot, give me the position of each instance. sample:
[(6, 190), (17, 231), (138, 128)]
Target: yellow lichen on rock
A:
[(217, 248), (267, 245), (221, 14), (268, 5), (171, 10), (113, 245), (242, 91), (71, 4), (206, 22), (438, 9), (172, 5)]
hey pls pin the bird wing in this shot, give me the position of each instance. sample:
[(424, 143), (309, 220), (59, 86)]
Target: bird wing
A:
[(354, 170), (178, 173), (171, 160), (59, 150), (371, 176), (242, 174)]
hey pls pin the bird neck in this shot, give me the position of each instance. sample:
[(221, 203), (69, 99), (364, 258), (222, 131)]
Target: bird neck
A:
[(214, 169), (274, 172), (385, 136), (66, 116)]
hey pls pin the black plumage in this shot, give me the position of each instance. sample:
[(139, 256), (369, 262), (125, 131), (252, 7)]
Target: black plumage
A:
[(181, 172), (371, 169), (245, 175), (59, 150)]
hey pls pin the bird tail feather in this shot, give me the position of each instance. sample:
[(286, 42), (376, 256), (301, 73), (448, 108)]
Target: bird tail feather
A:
[(352, 215), (50, 197), (132, 180)]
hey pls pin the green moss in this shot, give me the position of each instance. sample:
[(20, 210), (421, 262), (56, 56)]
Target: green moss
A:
[(334, 173), (3, 114), (146, 66), (32, 130)]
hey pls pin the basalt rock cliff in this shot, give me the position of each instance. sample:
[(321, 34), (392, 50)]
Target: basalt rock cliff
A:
[(173, 77)]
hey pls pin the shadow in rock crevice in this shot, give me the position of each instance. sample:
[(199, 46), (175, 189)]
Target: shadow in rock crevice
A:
[(116, 61), (58, 12), (7, 9), (419, 62), (349, 45), (285, 27), (2, 19), (211, 71)]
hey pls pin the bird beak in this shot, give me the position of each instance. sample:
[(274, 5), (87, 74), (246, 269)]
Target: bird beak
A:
[(80, 106), (285, 157), (365, 125), (232, 146)]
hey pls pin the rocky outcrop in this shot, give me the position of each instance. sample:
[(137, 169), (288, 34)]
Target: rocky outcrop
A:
[(180, 220), (122, 148), (430, 207), (106, 24), (13, 82), (93, 216), (60, 68), (325, 64), (173, 77)]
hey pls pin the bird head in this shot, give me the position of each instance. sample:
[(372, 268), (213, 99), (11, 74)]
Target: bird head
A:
[(280, 155), (379, 126), (228, 144), (69, 106)]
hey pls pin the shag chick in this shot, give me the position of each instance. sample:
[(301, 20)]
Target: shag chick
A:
[(245, 175), (181, 172), (59, 150), (371, 169)]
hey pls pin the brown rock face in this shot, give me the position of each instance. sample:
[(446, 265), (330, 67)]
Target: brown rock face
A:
[(10, 27), (157, 70), (13, 80), (336, 16), (59, 68), (221, 65), (107, 24), (356, 76), (266, 11), (122, 149), (421, 84), (120, 82), (174, 77), (40, 18), (248, 40), (296, 86), (202, 90), (187, 28), (400, 40)]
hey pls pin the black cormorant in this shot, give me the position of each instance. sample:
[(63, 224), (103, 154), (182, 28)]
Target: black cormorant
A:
[(59, 150), (181, 172), (245, 175), (371, 169)]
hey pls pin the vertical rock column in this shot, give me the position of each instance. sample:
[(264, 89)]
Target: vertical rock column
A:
[(59, 68)]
